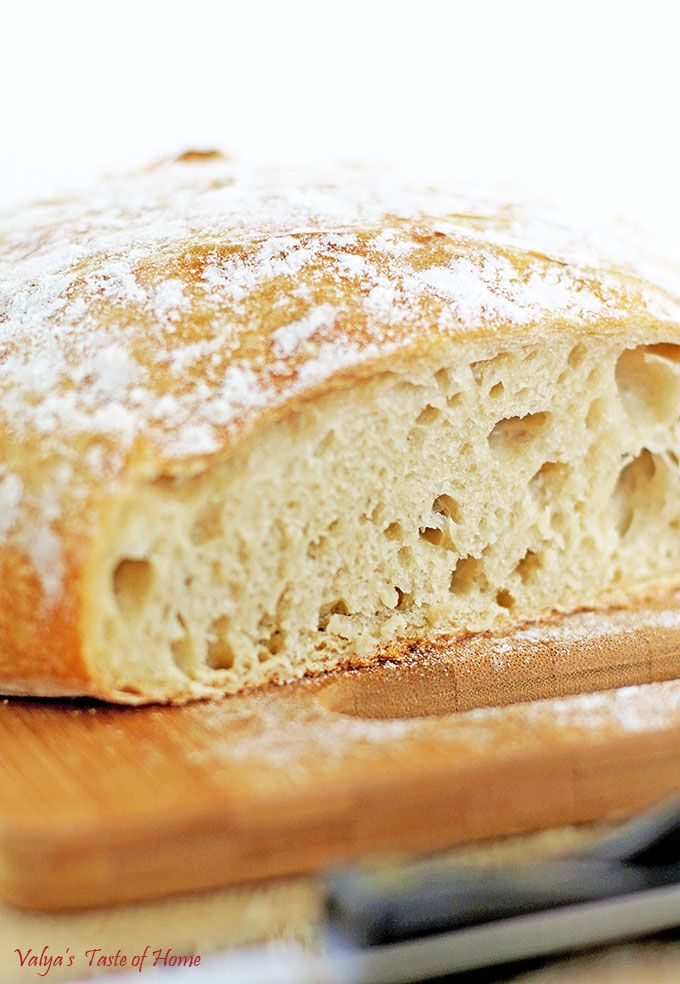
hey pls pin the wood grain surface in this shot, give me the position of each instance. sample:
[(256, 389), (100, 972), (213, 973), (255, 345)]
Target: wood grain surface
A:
[(466, 740)]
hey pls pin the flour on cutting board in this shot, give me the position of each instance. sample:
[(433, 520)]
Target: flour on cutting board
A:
[(268, 730)]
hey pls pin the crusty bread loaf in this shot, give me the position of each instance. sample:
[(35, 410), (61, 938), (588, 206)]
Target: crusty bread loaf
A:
[(258, 424)]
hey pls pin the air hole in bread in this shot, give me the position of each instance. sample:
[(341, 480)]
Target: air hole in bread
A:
[(220, 655), (317, 547), (132, 579), (327, 611), (666, 350), (486, 372), (376, 513), (182, 648), (545, 484), (404, 600), (443, 380), (497, 390), (576, 356), (272, 638), (394, 531), (648, 381), (632, 488), (512, 432), (273, 644), (428, 415), (447, 506), (439, 535), (467, 575), (504, 599), (529, 566)]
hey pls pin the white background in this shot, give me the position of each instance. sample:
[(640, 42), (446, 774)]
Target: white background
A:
[(575, 101)]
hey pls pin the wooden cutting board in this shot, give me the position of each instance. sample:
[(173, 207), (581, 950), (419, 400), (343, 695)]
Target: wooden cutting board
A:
[(467, 740)]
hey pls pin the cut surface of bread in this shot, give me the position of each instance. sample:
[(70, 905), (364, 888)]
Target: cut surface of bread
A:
[(256, 426)]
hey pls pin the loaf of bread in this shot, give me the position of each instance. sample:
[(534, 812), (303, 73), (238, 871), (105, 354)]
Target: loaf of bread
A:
[(258, 424)]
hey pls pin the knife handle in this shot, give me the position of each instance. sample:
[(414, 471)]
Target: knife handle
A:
[(391, 903)]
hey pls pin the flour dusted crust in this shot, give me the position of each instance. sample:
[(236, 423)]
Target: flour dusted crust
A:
[(174, 339)]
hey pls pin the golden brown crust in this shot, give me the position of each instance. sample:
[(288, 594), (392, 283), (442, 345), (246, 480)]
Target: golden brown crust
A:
[(152, 325)]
